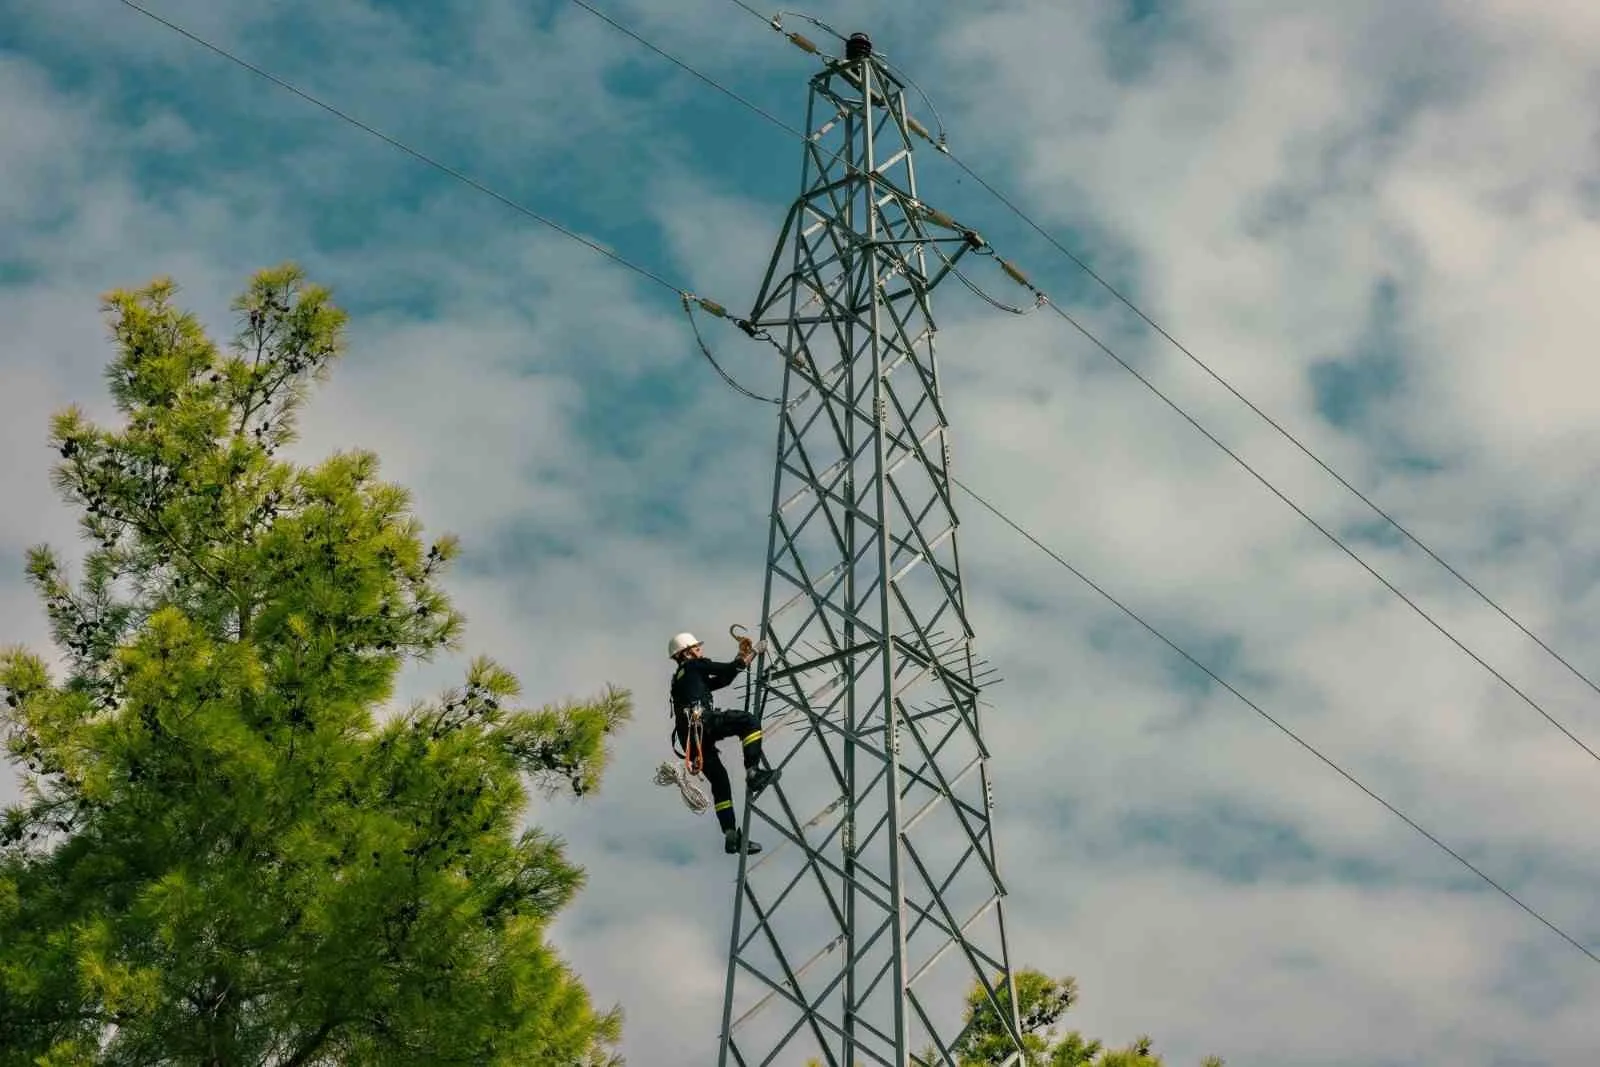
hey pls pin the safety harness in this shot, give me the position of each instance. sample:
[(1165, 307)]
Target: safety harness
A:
[(693, 756), (693, 752)]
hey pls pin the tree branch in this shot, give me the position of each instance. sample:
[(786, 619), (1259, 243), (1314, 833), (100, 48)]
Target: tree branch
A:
[(312, 1045)]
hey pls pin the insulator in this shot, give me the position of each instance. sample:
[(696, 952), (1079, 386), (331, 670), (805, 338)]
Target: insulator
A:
[(859, 46), (941, 218), (712, 306), (1021, 278), (802, 42), (919, 129)]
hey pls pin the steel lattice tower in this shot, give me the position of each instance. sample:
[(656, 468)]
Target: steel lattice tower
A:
[(877, 903)]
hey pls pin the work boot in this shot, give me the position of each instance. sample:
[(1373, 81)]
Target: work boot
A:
[(730, 843), (758, 778)]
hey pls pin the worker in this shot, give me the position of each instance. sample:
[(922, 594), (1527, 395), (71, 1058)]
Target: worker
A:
[(697, 727)]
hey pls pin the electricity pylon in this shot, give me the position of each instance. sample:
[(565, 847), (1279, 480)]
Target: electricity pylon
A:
[(877, 903)]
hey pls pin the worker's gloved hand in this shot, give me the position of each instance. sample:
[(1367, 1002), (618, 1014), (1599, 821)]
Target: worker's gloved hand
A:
[(748, 649)]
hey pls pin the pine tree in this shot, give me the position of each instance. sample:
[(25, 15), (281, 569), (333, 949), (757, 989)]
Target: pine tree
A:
[(1041, 1003), (226, 854)]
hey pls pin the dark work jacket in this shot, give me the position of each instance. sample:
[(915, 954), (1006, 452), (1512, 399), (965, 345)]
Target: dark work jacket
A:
[(696, 679)]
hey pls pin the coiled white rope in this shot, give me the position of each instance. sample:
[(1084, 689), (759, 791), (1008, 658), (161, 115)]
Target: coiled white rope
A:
[(672, 773)]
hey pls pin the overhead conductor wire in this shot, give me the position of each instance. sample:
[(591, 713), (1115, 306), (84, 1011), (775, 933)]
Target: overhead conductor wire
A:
[(1017, 527), (444, 168), (1042, 298), (1296, 738), (1270, 421)]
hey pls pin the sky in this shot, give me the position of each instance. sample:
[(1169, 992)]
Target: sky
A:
[(1378, 222)]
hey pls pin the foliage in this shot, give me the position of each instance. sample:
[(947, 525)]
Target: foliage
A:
[(1041, 1003), (223, 855)]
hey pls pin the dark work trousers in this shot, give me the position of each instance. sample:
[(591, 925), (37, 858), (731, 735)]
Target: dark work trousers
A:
[(720, 724)]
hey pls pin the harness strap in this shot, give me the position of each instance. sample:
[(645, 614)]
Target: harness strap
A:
[(693, 751), (694, 760)]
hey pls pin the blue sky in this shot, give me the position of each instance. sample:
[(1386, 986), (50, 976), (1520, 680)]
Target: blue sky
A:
[(1381, 225)]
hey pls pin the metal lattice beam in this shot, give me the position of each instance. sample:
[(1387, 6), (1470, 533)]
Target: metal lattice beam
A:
[(878, 902)]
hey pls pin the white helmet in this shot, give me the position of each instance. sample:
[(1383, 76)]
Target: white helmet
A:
[(680, 643)]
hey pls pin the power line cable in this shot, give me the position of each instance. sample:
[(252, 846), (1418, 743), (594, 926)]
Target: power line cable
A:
[(1259, 710), (719, 87), (1270, 421), (1147, 383), (1323, 530), (429, 160), (645, 272), (798, 40), (752, 11), (961, 485), (705, 350)]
